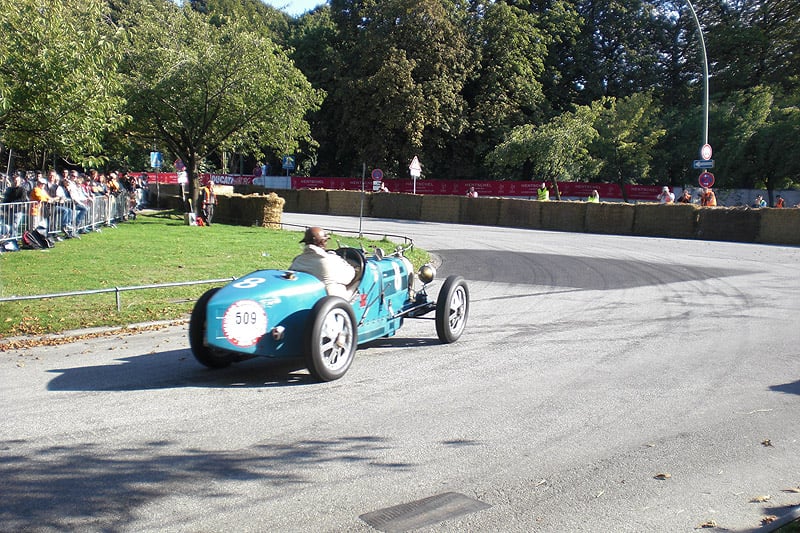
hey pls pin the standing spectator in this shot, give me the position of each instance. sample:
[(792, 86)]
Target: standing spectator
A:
[(57, 210), (708, 198), (780, 203), (16, 194), (666, 197), (594, 197), (685, 198), (472, 193), (39, 197), (542, 193), (141, 191), (80, 201), (208, 201)]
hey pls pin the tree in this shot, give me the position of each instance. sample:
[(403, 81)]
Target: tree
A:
[(505, 89), (629, 130), (557, 149), (398, 88), (59, 91), (765, 132), (198, 88)]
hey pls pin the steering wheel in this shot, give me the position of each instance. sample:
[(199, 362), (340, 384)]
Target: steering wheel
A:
[(356, 259)]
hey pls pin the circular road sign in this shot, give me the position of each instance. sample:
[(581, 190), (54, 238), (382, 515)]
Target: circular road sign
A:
[(706, 179), (705, 152), (377, 174)]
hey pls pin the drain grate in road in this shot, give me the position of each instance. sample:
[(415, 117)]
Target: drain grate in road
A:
[(421, 513)]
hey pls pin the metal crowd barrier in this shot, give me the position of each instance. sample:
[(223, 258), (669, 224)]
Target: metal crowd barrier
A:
[(58, 217), (116, 290)]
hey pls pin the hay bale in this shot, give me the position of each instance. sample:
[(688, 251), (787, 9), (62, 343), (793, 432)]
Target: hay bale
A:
[(435, 208), (291, 199), (780, 226), (733, 224), (272, 211), (610, 218), (396, 205), (346, 203), (484, 211), (518, 213), (564, 216), (679, 221), (313, 201)]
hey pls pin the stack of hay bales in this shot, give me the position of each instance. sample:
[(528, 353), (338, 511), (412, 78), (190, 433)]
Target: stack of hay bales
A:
[(272, 211)]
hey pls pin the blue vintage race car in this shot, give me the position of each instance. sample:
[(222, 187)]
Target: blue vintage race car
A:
[(282, 314)]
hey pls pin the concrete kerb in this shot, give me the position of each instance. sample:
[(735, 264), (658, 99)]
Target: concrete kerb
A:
[(99, 331)]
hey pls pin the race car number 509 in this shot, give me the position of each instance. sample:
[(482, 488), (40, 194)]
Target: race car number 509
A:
[(244, 323)]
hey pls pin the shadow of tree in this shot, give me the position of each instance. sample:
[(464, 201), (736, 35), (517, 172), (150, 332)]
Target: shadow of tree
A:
[(59, 488), (595, 273)]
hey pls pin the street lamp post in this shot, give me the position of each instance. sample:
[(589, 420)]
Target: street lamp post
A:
[(705, 72)]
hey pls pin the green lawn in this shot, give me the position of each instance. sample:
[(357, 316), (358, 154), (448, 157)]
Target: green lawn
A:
[(155, 248)]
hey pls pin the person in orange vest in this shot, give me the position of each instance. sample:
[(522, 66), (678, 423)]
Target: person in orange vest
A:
[(208, 201), (779, 202), (708, 198), (39, 198)]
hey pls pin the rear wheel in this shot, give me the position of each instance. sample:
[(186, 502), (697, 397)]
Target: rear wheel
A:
[(204, 353), (452, 309), (331, 338)]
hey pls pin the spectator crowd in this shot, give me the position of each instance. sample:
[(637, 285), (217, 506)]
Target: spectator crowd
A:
[(65, 205)]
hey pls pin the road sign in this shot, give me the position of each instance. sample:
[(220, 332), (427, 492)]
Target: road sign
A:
[(706, 179), (415, 168), (705, 152), (288, 162), (377, 174), (156, 160), (703, 163)]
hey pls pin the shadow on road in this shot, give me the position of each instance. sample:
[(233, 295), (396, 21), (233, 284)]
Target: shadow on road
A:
[(86, 487), (175, 369), (178, 368), (788, 388)]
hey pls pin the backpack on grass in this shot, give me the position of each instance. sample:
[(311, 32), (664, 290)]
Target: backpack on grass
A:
[(35, 240)]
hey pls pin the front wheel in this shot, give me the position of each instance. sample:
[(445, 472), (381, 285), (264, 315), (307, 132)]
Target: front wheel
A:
[(452, 309), (204, 353), (331, 338)]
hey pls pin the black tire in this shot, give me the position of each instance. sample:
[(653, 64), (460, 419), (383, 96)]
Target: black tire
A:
[(204, 353), (452, 309), (331, 338)]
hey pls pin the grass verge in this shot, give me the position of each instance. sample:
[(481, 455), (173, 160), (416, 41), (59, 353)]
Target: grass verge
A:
[(155, 248)]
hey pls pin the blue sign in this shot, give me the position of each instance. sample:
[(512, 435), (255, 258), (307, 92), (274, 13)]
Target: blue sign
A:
[(703, 163), (156, 161), (288, 162), (377, 174)]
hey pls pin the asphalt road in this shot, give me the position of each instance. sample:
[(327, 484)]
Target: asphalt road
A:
[(591, 367)]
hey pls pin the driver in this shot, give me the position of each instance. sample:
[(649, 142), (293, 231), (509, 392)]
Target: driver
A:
[(331, 269)]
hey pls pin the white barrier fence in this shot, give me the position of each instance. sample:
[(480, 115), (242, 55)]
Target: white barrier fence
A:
[(67, 217)]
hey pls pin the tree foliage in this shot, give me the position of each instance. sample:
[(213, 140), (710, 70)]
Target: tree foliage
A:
[(59, 91), (475, 89), (558, 149), (628, 131), (198, 88)]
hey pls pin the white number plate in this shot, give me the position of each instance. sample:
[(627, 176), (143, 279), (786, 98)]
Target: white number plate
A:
[(244, 323)]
